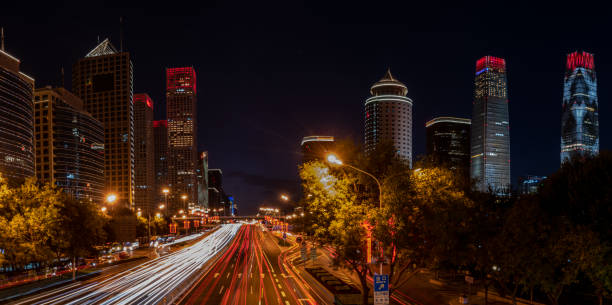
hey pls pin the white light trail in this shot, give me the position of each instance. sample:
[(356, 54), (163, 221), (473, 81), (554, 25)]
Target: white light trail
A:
[(150, 282)]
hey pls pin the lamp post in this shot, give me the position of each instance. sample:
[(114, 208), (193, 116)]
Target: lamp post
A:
[(334, 160), (166, 191), (184, 198)]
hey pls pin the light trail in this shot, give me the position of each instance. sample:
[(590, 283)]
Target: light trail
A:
[(152, 282)]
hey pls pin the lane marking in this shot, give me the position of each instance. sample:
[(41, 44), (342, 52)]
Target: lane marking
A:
[(216, 274), (239, 275), (228, 274), (279, 286), (287, 302), (283, 293), (220, 290)]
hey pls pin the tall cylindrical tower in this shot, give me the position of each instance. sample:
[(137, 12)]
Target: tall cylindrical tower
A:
[(388, 117)]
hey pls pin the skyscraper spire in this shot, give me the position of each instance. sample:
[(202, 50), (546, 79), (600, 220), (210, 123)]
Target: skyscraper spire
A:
[(2, 34)]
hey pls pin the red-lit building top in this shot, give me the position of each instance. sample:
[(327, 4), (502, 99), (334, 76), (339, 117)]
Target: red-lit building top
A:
[(160, 123), (580, 60), (490, 62), (181, 80), (143, 98)]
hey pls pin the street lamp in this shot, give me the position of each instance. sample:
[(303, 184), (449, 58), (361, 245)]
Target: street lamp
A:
[(184, 198), (284, 197), (331, 158), (111, 198)]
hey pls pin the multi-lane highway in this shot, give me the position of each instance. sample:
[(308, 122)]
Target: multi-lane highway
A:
[(157, 281), (251, 271)]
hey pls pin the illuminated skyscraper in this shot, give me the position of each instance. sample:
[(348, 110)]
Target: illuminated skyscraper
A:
[(490, 145), (17, 120), (160, 137), (104, 80), (144, 151), (69, 144), (182, 112), (388, 117), (448, 142), (580, 108)]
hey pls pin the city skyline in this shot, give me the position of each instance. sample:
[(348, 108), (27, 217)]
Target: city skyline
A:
[(235, 90)]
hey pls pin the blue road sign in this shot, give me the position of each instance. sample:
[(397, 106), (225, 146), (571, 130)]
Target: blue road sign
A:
[(381, 283)]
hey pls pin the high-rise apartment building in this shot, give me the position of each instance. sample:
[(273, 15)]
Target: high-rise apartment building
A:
[(160, 135), (182, 112), (104, 80), (144, 153), (580, 108), (448, 142), (490, 145), (69, 144), (388, 117), (17, 123), (316, 147)]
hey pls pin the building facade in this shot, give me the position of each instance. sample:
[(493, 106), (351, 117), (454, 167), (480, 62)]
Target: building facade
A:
[(530, 184), (202, 176), (490, 139), (160, 137), (448, 142), (580, 108), (104, 80), (215, 189), (316, 147), (182, 112), (144, 154), (388, 117), (69, 144), (17, 123)]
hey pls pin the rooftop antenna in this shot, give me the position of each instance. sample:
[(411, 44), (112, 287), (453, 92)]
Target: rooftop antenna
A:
[(120, 34), (62, 74), (2, 34), (98, 39)]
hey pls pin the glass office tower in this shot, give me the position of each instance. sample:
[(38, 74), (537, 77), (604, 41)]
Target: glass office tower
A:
[(580, 108), (490, 144)]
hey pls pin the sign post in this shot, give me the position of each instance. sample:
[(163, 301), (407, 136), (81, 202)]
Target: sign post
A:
[(381, 290), (304, 253), (313, 254)]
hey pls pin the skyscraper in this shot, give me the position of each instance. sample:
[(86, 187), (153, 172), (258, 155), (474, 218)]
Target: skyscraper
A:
[(202, 175), (144, 153), (580, 108), (17, 123), (448, 142), (103, 79), (69, 144), (182, 112), (316, 147), (160, 135), (388, 117), (490, 145)]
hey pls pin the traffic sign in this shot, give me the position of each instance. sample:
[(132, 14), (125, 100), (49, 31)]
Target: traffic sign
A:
[(381, 290)]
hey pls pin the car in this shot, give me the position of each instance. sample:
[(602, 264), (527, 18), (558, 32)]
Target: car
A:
[(135, 245), (116, 247)]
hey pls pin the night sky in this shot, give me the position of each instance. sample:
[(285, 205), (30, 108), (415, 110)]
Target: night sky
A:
[(271, 72)]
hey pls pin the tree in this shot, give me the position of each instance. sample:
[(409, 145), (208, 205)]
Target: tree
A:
[(83, 224), (339, 217)]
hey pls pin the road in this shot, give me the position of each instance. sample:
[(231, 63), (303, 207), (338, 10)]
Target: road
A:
[(156, 281), (251, 271)]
